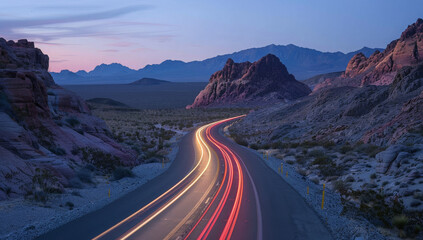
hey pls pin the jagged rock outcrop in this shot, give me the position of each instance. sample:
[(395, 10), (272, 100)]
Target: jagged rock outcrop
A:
[(381, 67), (43, 126), (246, 83)]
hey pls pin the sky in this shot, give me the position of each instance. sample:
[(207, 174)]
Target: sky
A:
[(80, 34)]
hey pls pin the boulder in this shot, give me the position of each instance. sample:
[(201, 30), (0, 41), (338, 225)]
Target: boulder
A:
[(386, 158)]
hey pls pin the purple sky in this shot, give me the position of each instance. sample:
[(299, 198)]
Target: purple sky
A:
[(81, 34)]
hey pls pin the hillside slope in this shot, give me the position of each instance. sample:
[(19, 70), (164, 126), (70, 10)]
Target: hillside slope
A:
[(46, 132)]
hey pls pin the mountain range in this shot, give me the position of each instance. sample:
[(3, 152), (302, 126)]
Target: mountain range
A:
[(301, 62)]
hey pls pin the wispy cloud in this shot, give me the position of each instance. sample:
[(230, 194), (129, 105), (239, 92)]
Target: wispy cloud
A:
[(58, 61), (7, 24), (49, 28), (110, 50)]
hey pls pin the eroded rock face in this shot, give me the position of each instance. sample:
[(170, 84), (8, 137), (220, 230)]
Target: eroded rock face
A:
[(248, 83), (381, 67), (41, 124)]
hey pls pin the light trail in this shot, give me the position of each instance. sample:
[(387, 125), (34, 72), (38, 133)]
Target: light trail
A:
[(198, 139), (178, 190), (229, 159)]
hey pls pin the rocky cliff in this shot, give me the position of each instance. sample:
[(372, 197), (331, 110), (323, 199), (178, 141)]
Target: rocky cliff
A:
[(381, 67), (45, 130), (266, 80)]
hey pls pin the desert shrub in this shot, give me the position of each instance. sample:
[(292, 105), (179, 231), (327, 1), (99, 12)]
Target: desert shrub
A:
[(302, 172), (75, 183), (400, 221), (75, 150), (90, 167), (254, 146), (417, 130), (70, 205), (57, 150), (322, 160), (43, 183), (240, 141), (76, 193), (377, 207), (315, 181), (290, 162), (122, 172), (316, 153), (415, 203), (309, 144), (341, 187), (85, 175), (100, 159), (345, 149), (328, 144), (40, 196), (329, 170), (73, 122), (369, 149), (300, 160), (349, 179)]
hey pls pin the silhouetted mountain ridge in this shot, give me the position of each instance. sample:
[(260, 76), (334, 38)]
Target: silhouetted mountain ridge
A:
[(301, 62)]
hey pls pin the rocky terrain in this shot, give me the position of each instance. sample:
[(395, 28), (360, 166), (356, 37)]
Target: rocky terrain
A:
[(264, 81), (46, 132), (360, 133), (313, 81), (381, 67)]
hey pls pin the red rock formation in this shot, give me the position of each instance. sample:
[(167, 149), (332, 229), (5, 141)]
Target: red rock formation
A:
[(248, 83), (42, 123), (380, 68)]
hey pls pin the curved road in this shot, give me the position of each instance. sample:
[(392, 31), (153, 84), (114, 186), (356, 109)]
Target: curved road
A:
[(215, 189)]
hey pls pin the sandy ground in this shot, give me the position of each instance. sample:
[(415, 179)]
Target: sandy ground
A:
[(26, 219)]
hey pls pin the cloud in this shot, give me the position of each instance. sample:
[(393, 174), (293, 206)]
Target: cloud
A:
[(83, 25), (48, 28), (6, 25), (110, 50), (58, 61)]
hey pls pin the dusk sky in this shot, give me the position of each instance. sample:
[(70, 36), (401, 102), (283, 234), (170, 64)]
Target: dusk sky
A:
[(81, 34)]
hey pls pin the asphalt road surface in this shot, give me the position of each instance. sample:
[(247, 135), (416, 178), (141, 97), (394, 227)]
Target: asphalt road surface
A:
[(214, 189)]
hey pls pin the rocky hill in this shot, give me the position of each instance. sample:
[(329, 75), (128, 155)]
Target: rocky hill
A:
[(46, 132), (266, 80), (381, 67), (361, 134), (149, 81)]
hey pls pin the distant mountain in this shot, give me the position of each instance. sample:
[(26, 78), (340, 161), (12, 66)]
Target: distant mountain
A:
[(301, 62), (102, 74), (149, 81), (250, 84)]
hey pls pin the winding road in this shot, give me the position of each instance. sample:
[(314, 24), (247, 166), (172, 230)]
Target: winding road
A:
[(214, 189)]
